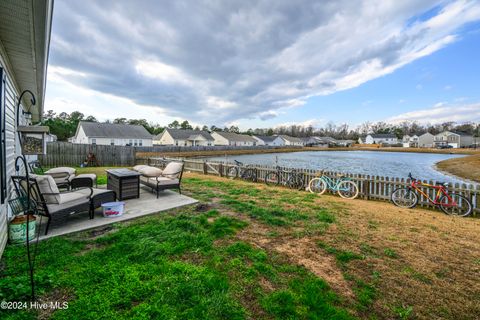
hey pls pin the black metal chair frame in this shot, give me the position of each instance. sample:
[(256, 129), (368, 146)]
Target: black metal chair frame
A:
[(38, 197), (36, 168)]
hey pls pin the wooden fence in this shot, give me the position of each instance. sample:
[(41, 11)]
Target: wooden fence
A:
[(370, 187), (69, 154)]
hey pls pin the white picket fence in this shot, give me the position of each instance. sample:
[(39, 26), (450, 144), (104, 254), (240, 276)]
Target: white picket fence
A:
[(370, 187)]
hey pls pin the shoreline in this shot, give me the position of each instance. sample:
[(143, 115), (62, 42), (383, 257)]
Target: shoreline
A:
[(464, 168), (188, 154)]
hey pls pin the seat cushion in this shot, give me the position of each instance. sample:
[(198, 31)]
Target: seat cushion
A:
[(150, 171), (48, 188), (92, 176), (84, 202), (161, 181), (138, 167), (173, 169), (61, 170)]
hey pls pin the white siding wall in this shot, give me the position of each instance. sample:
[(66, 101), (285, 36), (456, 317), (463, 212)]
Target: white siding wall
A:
[(120, 142), (165, 139), (219, 140), (278, 142), (13, 149)]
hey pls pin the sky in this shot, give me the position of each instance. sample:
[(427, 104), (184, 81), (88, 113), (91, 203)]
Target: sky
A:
[(258, 64)]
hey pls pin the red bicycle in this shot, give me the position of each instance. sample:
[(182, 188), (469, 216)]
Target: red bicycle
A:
[(450, 203)]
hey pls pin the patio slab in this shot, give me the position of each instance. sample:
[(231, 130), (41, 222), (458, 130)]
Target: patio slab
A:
[(134, 208)]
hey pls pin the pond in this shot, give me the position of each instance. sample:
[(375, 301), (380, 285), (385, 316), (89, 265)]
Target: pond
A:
[(377, 163)]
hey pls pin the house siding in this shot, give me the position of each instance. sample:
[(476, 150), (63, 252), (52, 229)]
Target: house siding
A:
[(13, 149)]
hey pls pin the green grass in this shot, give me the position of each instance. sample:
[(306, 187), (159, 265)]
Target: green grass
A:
[(182, 266)]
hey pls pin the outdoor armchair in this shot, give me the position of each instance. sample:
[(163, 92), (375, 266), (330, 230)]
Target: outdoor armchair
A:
[(50, 202), (169, 178), (61, 175)]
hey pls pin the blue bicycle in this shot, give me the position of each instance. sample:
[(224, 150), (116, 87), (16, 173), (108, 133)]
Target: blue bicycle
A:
[(344, 186)]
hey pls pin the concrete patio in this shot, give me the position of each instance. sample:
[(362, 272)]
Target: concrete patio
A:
[(134, 208)]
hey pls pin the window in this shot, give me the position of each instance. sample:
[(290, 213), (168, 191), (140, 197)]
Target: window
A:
[(135, 143), (94, 141), (140, 142), (176, 142), (130, 142), (3, 151), (112, 142)]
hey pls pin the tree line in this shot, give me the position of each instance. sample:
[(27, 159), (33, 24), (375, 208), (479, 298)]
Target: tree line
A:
[(64, 125)]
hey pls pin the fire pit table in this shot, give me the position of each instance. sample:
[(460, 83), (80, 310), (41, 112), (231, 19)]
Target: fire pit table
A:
[(125, 183)]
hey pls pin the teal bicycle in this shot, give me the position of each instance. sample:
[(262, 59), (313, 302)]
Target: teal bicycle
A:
[(344, 186)]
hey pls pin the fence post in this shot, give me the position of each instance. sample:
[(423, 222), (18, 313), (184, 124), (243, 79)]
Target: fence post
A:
[(205, 167), (220, 169)]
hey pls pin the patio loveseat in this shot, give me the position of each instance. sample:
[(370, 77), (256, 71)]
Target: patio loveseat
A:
[(158, 180)]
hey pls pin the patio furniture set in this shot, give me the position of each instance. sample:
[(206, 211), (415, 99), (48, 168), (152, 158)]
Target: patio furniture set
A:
[(81, 195)]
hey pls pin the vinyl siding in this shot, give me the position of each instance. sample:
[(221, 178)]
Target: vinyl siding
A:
[(11, 152)]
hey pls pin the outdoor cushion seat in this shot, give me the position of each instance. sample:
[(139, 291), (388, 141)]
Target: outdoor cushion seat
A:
[(83, 180), (73, 199), (159, 180), (170, 178), (173, 169), (61, 175), (138, 167), (150, 171)]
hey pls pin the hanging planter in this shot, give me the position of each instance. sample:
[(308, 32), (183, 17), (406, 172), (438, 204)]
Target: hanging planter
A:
[(17, 230)]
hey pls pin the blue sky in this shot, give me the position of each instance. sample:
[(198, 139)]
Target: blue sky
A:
[(264, 63), (448, 77)]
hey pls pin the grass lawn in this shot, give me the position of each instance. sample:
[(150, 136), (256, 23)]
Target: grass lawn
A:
[(465, 167), (256, 252)]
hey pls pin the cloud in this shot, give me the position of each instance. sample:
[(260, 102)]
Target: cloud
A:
[(440, 113), (221, 61)]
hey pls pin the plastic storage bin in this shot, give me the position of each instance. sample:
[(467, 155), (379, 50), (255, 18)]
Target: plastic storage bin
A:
[(113, 209)]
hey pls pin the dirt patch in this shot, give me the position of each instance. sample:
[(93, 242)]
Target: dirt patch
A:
[(55, 299), (305, 252)]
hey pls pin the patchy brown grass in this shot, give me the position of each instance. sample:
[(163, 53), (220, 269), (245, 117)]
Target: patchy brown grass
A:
[(465, 167), (419, 263)]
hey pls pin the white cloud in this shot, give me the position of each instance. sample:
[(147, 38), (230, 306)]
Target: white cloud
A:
[(219, 62), (440, 113)]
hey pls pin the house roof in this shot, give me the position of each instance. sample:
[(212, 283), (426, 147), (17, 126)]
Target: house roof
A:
[(291, 139), (461, 133), (181, 134), (383, 135), (114, 130), (25, 40), (231, 136), (266, 138)]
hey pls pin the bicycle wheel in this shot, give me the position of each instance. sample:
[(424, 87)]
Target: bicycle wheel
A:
[(317, 185), (455, 205), (249, 174), (295, 181), (272, 178), (404, 197), (232, 172), (347, 189)]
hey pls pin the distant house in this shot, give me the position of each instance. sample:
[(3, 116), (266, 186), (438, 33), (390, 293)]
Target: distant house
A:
[(315, 142), (284, 140), (320, 141), (345, 143), (362, 139), (112, 134), (232, 139), (410, 141), (264, 140), (454, 139), (426, 140), (186, 138), (379, 138)]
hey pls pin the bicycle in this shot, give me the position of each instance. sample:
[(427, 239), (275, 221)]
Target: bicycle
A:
[(292, 178), (242, 171), (449, 203), (344, 186)]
